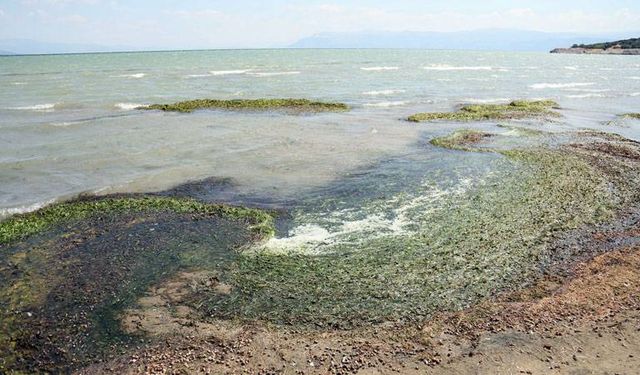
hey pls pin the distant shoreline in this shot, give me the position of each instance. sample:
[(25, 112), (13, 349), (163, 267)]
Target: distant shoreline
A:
[(595, 51)]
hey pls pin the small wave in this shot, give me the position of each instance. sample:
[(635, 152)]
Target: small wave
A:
[(272, 74), (635, 94), (383, 92), (378, 68), (128, 106), (64, 124), (18, 83), (571, 67), (583, 96), (227, 72), (36, 107), (539, 86), (636, 78), (135, 75), (6, 212), (440, 67), (197, 75), (587, 90), (386, 104), (486, 101)]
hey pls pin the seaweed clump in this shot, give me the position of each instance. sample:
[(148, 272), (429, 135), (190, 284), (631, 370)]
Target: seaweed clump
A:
[(517, 109), (299, 105), (462, 140), (632, 115)]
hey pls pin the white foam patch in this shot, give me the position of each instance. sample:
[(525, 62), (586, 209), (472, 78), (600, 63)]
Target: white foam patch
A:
[(378, 68), (6, 212), (383, 92), (584, 96), (587, 90), (312, 238), (197, 75), (635, 78), (444, 67), (540, 86), (18, 83), (386, 104), (571, 67), (635, 94), (134, 75), (273, 74), (129, 106), (229, 72), (36, 107)]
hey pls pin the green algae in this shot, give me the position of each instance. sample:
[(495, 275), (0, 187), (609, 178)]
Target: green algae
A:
[(493, 238), (517, 109), (632, 115), (462, 139), (21, 226), (70, 269), (298, 105)]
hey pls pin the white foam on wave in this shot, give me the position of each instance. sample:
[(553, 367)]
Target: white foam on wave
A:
[(586, 90), (636, 78), (273, 74), (386, 104), (134, 75), (311, 238), (36, 107), (486, 101), (540, 86), (378, 68), (571, 67), (635, 94), (6, 212), (583, 96), (229, 72), (129, 106), (444, 67), (18, 83), (383, 92), (197, 75)]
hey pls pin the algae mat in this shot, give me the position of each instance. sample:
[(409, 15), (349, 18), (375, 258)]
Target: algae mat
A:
[(69, 272)]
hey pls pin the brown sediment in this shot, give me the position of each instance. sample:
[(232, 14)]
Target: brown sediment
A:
[(586, 322)]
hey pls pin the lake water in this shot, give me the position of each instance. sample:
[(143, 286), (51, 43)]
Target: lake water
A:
[(68, 125)]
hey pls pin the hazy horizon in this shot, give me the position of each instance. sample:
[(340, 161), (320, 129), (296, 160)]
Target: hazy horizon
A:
[(197, 24)]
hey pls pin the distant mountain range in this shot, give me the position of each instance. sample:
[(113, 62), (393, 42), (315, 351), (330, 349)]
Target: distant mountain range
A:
[(488, 39)]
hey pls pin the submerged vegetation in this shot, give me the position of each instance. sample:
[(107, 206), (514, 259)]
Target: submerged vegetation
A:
[(517, 109), (69, 270), (21, 226), (495, 237), (298, 105), (632, 115)]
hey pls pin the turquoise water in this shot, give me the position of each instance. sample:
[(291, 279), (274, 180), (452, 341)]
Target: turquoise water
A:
[(68, 125)]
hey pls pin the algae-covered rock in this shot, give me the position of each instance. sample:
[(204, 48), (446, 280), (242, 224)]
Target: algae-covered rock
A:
[(632, 115), (461, 139), (298, 105), (517, 109)]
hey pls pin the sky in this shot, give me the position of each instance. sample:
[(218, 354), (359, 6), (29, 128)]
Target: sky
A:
[(165, 24)]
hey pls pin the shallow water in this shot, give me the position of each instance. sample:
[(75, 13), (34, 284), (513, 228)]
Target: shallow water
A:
[(68, 125)]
